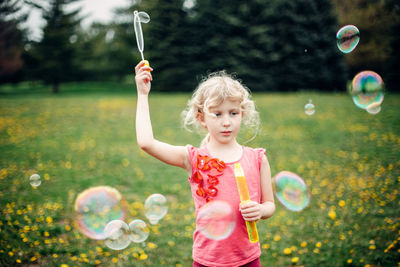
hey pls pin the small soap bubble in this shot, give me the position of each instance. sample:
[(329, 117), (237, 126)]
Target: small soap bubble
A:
[(216, 220), (35, 180), (291, 190), (374, 108), (116, 235), (347, 38), (367, 90), (138, 231), (97, 206), (155, 208), (309, 108)]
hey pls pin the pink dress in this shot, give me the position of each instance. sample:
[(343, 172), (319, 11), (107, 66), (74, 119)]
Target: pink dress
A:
[(235, 250)]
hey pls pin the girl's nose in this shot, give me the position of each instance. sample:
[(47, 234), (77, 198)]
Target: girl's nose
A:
[(226, 122)]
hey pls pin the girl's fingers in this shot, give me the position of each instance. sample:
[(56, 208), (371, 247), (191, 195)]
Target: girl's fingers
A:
[(141, 66)]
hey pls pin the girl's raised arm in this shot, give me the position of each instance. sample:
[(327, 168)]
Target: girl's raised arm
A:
[(173, 155)]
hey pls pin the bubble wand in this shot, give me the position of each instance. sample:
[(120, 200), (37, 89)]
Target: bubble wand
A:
[(245, 197), (138, 18)]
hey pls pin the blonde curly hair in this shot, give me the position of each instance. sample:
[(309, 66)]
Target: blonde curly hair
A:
[(211, 92)]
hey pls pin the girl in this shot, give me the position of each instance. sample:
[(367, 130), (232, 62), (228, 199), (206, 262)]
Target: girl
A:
[(220, 104)]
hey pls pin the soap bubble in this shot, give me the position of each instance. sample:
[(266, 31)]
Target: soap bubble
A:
[(309, 108), (116, 235), (138, 231), (291, 190), (216, 220), (155, 208), (35, 180), (347, 38), (97, 206), (367, 89)]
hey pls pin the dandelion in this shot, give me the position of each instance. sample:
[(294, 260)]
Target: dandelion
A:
[(114, 260), (287, 251), (143, 256), (151, 245), (303, 244), (171, 243), (277, 238), (318, 245), (49, 220), (342, 203), (295, 259), (349, 261), (64, 265), (332, 214), (266, 246)]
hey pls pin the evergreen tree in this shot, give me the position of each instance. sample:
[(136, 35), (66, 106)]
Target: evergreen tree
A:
[(55, 53), (11, 38)]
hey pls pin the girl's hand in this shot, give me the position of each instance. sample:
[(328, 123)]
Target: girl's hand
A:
[(251, 211), (143, 78)]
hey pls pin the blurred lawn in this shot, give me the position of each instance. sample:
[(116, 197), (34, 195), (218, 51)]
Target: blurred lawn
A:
[(349, 159)]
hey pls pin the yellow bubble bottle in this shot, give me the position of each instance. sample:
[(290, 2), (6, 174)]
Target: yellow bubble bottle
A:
[(245, 197)]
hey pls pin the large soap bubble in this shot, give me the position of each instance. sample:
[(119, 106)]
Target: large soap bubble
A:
[(155, 208), (367, 91), (347, 38), (291, 190), (97, 206), (216, 220)]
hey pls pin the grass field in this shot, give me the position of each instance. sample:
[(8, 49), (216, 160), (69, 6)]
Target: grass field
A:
[(349, 159)]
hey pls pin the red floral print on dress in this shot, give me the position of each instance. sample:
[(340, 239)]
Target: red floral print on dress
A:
[(212, 167)]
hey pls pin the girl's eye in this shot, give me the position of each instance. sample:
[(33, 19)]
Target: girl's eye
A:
[(217, 114), (234, 113)]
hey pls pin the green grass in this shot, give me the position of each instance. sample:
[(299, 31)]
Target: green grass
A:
[(349, 159)]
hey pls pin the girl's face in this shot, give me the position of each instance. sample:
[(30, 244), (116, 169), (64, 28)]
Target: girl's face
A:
[(223, 124)]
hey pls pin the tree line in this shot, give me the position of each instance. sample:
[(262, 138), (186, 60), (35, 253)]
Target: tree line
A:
[(278, 45)]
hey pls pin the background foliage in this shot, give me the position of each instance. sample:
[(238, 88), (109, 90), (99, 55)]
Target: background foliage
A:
[(281, 45)]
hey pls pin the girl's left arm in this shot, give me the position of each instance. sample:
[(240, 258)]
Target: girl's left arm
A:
[(267, 196)]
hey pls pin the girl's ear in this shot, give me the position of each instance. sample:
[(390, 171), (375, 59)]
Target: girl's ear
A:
[(200, 117)]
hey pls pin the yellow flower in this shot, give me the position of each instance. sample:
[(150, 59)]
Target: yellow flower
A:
[(18, 261), (114, 260), (295, 259), (318, 245), (372, 247), (342, 203), (287, 251), (64, 265), (303, 244), (143, 256), (265, 246), (332, 214), (349, 261), (151, 245), (171, 243), (49, 220), (277, 238)]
